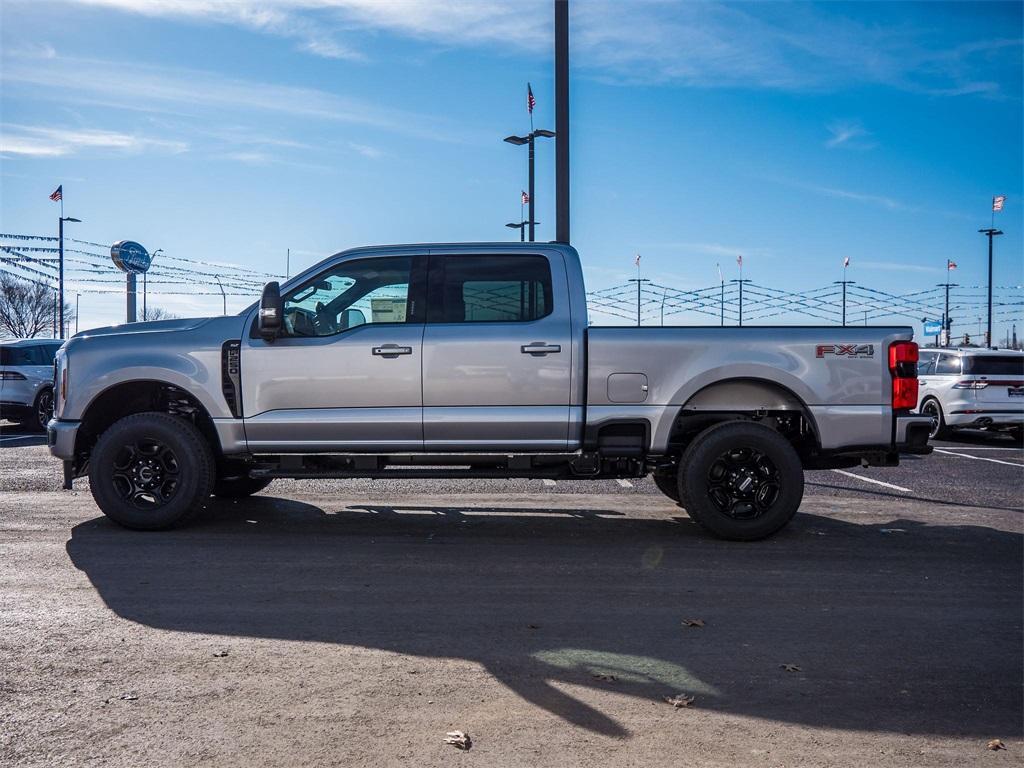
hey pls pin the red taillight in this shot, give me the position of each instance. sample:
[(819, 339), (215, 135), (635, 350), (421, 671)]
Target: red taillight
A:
[(903, 367)]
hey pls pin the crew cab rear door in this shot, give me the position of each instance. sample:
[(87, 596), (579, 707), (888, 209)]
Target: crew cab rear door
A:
[(344, 374), (497, 353)]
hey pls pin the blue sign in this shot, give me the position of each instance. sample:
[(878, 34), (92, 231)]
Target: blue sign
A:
[(932, 327), (131, 257)]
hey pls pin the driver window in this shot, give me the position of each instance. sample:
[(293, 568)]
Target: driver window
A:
[(348, 295)]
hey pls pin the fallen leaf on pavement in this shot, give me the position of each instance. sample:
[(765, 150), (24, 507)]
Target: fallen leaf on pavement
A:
[(996, 744), (129, 697), (679, 701), (789, 667), (220, 654), (693, 622), (458, 739)]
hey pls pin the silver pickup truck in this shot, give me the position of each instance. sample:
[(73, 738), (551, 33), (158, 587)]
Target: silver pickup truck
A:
[(473, 360)]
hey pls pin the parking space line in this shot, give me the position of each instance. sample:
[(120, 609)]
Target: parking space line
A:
[(872, 481), (18, 437), (979, 458), (624, 483), (548, 481), (976, 448)]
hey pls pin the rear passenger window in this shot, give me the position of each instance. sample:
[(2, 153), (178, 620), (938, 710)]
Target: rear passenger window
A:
[(490, 289), (17, 356), (948, 364), (926, 365)]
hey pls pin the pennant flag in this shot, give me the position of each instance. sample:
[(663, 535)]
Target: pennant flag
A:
[(530, 101), (846, 261), (58, 193), (719, 268), (997, 203), (525, 198), (739, 260), (950, 264), (636, 261)]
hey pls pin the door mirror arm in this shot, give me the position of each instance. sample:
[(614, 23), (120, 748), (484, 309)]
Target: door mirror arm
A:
[(271, 313)]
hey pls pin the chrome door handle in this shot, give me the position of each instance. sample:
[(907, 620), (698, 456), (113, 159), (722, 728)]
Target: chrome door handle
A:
[(391, 350), (539, 348)]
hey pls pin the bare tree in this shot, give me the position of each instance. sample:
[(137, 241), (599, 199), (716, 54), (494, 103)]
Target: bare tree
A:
[(28, 308), (159, 313)]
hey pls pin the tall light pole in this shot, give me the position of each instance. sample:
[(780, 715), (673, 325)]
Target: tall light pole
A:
[(60, 279), (946, 323), (152, 256), (561, 121), (77, 297), (990, 232), (741, 281), (639, 284), (521, 226), (528, 140), (223, 295), (844, 283)]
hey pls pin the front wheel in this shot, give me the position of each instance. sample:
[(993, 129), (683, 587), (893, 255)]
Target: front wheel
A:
[(150, 471), (741, 481)]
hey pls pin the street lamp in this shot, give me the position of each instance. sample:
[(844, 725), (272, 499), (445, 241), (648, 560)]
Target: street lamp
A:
[(844, 283), (741, 282), (60, 280), (990, 232), (639, 285), (521, 226), (528, 140)]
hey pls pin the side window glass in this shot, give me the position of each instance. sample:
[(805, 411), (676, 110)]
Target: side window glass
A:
[(948, 365), (927, 365), (348, 295), (493, 289), (16, 356)]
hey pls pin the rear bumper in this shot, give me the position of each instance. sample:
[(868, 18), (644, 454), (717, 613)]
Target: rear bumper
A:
[(986, 417), (60, 437), (911, 434)]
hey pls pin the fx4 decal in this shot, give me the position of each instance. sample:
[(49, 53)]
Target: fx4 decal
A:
[(845, 350)]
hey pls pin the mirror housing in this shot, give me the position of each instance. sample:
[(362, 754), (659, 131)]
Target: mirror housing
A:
[(270, 319)]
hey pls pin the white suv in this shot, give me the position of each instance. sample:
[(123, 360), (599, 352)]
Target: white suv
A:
[(26, 380), (969, 388)]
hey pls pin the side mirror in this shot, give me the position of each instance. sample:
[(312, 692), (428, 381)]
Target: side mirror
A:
[(271, 316), (350, 318)]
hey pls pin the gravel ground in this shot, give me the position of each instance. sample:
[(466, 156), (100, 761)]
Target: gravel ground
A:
[(354, 623)]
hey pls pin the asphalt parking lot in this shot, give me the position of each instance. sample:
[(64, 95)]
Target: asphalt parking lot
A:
[(356, 622)]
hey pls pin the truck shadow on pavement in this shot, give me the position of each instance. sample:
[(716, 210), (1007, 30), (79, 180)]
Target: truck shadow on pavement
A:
[(901, 627)]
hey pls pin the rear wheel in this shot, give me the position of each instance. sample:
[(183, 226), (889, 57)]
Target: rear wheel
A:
[(239, 487), (741, 481), (931, 407), (41, 412), (150, 471)]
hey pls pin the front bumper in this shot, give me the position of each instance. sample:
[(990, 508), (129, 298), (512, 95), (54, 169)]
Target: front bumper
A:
[(911, 433), (60, 437)]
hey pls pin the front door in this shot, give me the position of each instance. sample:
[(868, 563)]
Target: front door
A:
[(497, 354), (344, 375)]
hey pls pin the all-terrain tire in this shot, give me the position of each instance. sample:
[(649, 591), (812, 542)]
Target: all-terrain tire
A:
[(741, 481), (151, 470), (239, 487)]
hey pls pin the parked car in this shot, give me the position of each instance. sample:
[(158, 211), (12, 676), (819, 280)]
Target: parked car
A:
[(474, 360), (971, 388), (26, 381)]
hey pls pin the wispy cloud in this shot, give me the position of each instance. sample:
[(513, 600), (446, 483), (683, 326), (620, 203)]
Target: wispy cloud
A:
[(892, 266), (790, 46), (41, 141), (848, 134), (366, 150)]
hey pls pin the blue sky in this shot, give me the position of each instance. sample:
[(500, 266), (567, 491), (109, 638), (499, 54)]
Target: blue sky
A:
[(795, 134)]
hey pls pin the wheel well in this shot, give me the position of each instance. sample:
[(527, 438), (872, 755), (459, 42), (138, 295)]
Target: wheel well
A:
[(772, 404), (131, 397)]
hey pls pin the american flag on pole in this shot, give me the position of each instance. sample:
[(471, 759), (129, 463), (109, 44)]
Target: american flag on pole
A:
[(58, 193), (846, 261), (950, 264), (997, 203), (525, 198), (530, 101), (636, 261), (739, 261)]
